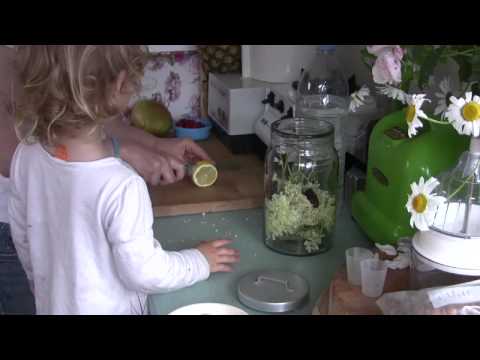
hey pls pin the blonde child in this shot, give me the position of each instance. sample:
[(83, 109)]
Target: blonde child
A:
[(81, 219)]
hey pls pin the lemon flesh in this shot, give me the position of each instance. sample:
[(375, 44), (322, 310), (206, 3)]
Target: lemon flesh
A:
[(204, 174)]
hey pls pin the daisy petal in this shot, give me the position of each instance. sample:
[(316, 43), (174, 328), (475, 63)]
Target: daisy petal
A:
[(412, 221), (414, 188), (421, 223), (421, 114), (421, 182), (430, 185), (476, 129)]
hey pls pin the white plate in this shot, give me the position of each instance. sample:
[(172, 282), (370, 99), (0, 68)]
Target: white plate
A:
[(208, 309)]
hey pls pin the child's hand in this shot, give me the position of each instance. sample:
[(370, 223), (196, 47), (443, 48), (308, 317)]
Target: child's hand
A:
[(219, 257)]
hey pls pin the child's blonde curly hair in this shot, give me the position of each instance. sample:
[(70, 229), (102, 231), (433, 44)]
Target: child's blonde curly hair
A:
[(71, 86)]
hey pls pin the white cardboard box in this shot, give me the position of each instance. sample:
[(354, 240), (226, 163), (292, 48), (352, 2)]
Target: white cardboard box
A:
[(235, 103)]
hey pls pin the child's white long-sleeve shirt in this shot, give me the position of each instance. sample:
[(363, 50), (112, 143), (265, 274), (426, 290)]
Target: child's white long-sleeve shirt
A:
[(83, 232)]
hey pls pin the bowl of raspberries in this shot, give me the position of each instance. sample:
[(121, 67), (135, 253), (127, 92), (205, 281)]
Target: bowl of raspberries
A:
[(195, 129)]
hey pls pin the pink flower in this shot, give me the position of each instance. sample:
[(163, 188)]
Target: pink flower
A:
[(173, 87), (195, 65), (157, 63), (157, 97), (377, 49), (398, 52), (194, 105), (388, 67)]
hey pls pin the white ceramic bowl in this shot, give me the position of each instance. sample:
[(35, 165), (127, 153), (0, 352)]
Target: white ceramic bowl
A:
[(208, 309), (448, 253)]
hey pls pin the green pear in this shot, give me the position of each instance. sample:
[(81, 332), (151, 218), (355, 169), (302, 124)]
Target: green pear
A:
[(152, 117)]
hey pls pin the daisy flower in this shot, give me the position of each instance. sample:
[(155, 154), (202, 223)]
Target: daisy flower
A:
[(414, 112), (464, 114), (443, 97), (422, 204), (357, 98), (393, 93)]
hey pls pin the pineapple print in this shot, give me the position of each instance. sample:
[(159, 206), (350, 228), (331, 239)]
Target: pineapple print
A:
[(218, 59), (221, 58)]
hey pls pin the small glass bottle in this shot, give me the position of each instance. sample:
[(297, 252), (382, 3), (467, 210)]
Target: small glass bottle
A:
[(322, 94), (301, 174)]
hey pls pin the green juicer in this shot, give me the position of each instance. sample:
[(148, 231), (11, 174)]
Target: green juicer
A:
[(394, 162)]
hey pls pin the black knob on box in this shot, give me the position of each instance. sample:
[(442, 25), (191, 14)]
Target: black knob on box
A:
[(280, 106), (270, 100)]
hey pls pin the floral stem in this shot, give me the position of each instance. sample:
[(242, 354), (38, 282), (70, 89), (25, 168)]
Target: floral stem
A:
[(437, 121), (468, 179), (457, 53)]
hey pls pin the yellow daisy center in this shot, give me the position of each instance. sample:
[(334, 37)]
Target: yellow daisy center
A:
[(411, 111), (419, 203), (471, 111)]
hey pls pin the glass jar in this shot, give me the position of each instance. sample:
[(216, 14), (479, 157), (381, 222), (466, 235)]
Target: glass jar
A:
[(301, 175)]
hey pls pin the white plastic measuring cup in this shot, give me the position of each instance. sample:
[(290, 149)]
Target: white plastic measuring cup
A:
[(374, 273), (355, 256)]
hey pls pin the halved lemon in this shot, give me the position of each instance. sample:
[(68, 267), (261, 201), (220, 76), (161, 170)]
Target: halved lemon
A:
[(204, 174)]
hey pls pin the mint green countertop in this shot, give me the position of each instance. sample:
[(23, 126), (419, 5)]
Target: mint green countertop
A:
[(245, 228)]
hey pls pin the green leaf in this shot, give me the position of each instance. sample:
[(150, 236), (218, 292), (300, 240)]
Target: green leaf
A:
[(407, 76), (419, 53), (476, 89), (465, 67), (367, 58), (428, 65), (366, 54)]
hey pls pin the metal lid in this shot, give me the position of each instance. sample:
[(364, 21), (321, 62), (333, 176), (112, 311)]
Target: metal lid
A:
[(273, 291)]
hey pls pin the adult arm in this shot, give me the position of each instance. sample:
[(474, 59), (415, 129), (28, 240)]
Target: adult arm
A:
[(157, 160)]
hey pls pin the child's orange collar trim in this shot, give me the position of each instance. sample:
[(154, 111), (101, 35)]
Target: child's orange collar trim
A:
[(61, 152)]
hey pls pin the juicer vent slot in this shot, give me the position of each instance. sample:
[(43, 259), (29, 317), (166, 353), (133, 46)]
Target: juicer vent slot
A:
[(381, 178), (396, 133)]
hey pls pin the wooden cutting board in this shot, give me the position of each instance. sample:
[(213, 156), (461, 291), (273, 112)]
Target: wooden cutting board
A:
[(239, 186), (341, 298)]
